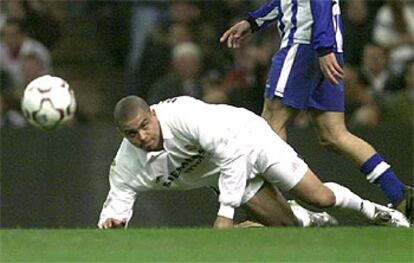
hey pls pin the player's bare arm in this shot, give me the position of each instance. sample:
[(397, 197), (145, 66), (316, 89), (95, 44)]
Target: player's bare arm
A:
[(331, 68), (112, 223), (236, 34)]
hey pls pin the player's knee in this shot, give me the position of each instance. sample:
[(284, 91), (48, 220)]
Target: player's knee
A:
[(328, 144), (324, 199), (333, 141)]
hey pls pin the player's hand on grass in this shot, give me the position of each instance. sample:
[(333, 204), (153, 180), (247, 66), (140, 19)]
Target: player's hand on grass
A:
[(236, 34), (223, 222), (330, 68), (112, 223)]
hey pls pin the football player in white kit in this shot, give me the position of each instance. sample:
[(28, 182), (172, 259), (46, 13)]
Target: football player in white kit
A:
[(199, 144)]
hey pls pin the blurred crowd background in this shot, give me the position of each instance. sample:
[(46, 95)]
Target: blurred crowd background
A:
[(159, 49)]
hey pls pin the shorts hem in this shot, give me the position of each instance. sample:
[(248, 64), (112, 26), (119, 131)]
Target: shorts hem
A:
[(295, 106), (325, 109), (293, 183)]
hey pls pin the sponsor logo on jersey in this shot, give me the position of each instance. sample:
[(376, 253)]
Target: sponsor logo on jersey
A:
[(187, 166)]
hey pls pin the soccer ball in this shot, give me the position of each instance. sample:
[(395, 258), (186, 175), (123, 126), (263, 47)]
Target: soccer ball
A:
[(48, 102)]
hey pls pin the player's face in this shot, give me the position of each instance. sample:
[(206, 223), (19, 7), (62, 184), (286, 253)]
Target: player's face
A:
[(143, 131)]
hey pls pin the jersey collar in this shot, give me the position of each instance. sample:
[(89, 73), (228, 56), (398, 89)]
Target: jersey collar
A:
[(165, 129)]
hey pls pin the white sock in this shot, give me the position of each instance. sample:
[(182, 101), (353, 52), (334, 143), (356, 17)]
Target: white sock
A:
[(347, 199)]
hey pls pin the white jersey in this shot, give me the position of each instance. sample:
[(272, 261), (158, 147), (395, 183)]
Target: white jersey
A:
[(204, 145)]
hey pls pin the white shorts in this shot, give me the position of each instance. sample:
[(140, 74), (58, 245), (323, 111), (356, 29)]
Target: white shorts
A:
[(275, 160), (269, 158), (286, 174), (253, 186)]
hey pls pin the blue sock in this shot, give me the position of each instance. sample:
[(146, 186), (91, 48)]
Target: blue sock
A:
[(379, 172)]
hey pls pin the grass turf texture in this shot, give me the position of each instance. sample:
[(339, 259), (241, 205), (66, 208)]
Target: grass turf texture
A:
[(374, 244)]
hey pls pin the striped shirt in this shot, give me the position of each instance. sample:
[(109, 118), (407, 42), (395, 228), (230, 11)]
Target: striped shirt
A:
[(315, 22)]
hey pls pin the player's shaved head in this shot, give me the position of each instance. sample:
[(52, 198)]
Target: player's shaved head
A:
[(127, 108)]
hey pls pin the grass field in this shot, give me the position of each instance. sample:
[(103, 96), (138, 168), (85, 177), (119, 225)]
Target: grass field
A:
[(349, 244)]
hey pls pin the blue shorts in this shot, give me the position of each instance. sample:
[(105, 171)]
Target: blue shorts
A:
[(296, 78)]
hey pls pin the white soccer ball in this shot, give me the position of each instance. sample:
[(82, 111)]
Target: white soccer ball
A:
[(48, 102)]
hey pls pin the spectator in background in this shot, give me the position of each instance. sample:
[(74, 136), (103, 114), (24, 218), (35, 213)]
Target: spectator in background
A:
[(37, 19), (174, 27), (375, 72), (399, 106), (242, 81), (371, 80), (112, 26), (145, 17), (394, 30), (184, 78), (357, 31), (249, 68), (178, 33), (179, 22), (32, 67), (15, 46), (10, 115), (214, 58), (213, 89)]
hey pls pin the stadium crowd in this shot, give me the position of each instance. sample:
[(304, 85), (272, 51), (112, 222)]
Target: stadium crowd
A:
[(171, 48)]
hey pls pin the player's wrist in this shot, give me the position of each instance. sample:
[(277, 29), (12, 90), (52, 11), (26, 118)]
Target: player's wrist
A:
[(253, 25), (323, 51), (226, 211)]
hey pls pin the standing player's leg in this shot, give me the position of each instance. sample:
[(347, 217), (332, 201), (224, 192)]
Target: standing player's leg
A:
[(280, 165), (334, 135), (295, 83), (311, 190), (278, 116), (326, 108), (290, 81)]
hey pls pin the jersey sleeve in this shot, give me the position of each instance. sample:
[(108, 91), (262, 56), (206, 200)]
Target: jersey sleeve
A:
[(120, 199), (234, 171), (323, 32), (263, 16)]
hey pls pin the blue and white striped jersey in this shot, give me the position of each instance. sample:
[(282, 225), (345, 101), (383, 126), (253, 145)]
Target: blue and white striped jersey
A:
[(315, 22)]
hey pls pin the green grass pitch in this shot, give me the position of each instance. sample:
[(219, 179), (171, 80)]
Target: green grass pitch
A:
[(342, 244)]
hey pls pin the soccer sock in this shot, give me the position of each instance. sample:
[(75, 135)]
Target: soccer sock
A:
[(347, 199), (380, 172)]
